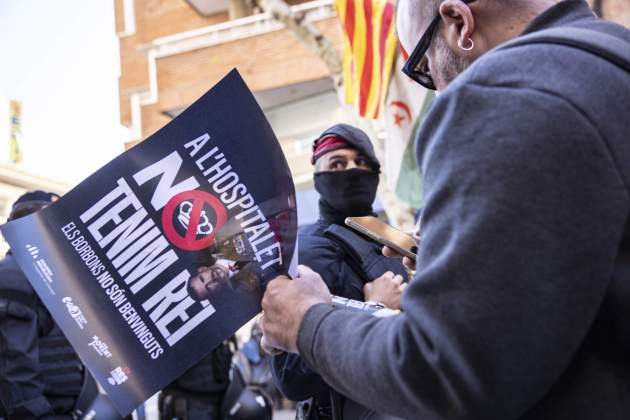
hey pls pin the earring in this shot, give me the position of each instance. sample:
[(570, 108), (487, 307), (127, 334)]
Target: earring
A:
[(472, 44)]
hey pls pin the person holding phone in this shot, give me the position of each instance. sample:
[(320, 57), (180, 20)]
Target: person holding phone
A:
[(351, 265), (520, 305)]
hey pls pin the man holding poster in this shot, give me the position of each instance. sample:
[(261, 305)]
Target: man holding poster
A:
[(520, 304)]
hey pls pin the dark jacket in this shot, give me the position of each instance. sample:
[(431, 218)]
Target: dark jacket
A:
[(40, 373), (327, 257), (199, 392), (520, 306)]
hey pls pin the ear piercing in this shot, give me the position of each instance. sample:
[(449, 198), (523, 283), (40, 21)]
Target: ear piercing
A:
[(472, 44)]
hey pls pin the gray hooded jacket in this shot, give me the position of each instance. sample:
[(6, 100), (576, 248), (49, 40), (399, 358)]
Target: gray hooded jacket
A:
[(520, 307)]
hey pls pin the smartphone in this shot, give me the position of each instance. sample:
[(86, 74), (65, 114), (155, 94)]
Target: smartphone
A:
[(385, 234)]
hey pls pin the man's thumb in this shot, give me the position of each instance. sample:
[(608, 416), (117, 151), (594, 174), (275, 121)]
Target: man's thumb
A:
[(304, 270)]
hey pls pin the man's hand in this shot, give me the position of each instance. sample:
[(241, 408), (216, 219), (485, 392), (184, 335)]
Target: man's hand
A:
[(408, 262), (386, 289), (284, 305)]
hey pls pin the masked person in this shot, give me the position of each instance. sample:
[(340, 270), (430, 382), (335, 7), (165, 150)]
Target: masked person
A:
[(520, 303), (346, 177), (41, 376), (199, 392)]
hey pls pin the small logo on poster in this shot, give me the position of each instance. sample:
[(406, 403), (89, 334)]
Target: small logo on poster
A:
[(191, 219), (75, 312), (204, 227), (44, 269), (100, 347), (119, 375), (33, 250)]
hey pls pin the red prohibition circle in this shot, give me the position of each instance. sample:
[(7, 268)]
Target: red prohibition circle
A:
[(198, 199)]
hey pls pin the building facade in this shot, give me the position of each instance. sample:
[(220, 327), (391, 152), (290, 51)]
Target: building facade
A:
[(14, 180), (173, 51)]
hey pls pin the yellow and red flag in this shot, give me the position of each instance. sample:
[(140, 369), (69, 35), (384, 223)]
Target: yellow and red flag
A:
[(369, 50)]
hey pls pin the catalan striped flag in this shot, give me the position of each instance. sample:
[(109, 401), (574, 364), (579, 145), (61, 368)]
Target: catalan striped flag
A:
[(369, 50)]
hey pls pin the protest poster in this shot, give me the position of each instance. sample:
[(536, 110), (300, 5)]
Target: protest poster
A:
[(164, 252)]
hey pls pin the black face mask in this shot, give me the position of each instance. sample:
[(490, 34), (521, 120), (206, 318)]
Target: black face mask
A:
[(350, 192)]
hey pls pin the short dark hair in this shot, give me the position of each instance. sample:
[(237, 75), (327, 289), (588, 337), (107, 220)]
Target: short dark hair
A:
[(31, 202)]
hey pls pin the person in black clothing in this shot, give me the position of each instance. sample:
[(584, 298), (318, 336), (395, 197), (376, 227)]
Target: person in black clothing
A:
[(346, 177), (520, 303), (41, 376), (199, 392)]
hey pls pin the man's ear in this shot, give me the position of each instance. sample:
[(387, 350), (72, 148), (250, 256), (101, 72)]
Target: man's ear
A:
[(459, 24)]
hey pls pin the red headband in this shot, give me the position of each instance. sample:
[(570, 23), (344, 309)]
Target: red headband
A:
[(327, 144)]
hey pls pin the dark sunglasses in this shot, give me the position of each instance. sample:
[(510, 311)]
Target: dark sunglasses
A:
[(417, 66)]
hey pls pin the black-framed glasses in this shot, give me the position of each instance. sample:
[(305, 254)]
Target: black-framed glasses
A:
[(417, 66)]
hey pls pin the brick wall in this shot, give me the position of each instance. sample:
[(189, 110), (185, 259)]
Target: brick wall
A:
[(153, 19), (266, 61)]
